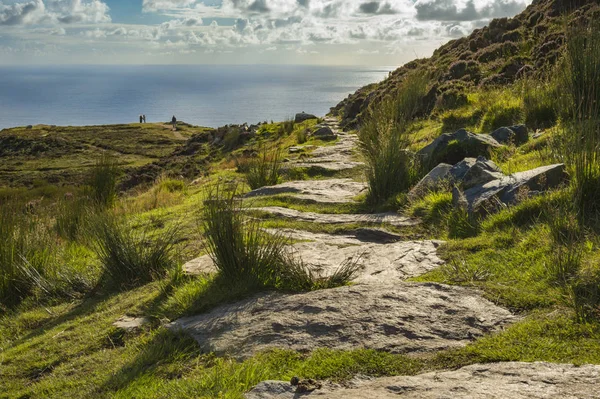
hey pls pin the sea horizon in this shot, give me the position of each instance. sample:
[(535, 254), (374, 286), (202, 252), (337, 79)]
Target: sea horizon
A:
[(204, 95)]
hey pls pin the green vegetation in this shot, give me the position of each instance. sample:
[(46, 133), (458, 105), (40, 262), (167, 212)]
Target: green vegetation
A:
[(264, 170), (245, 254), (95, 222), (384, 142)]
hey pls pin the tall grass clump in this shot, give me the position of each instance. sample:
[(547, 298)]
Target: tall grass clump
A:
[(244, 253), (102, 181), (131, 257), (539, 103), (27, 251), (264, 170), (286, 127), (581, 136), (384, 140)]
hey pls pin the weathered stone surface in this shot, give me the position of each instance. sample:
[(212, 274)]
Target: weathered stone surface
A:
[(481, 172), (303, 116), (511, 380), (201, 265), (390, 218), (453, 147), (129, 323), (496, 194), (433, 179), (383, 258), (517, 134), (398, 318), (300, 148), (318, 191), (337, 157)]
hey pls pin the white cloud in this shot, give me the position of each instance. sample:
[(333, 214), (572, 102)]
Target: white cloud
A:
[(36, 12)]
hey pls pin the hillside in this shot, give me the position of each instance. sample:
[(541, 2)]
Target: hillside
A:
[(527, 45), (444, 244)]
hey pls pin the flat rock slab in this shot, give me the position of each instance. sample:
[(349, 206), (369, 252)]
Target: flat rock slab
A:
[(397, 318), (512, 380), (381, 256), (332, 191), (129, 323), (390, 218)]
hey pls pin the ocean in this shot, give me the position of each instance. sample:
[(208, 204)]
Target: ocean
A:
[(205, 95)]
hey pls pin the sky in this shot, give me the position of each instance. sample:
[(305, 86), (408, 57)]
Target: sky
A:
[(319, 32)]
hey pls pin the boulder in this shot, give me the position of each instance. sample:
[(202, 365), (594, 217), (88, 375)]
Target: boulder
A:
[(517, 134), (493, 195), (324, 133), (431, 181), (481, 172), (303, 116), (460, 169), (453, 147)]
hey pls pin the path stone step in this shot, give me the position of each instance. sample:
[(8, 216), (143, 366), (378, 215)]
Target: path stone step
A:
[(390, 218), (397, 318), (509, 380), (332, 191), (382, 259)]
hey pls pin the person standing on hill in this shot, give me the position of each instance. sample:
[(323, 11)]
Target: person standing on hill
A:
[(174, 122), (141, 118), (144, 118)]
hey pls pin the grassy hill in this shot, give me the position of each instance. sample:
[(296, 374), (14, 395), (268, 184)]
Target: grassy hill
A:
[(115, 245)]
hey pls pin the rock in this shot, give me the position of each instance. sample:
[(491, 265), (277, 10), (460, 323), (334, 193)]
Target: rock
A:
[(390, 218), (128, 323), (300, 148), (303, 116), (317, 191), (453, 147), (199, 266), (510, 190), (481, 172), (324, 133), (431, 181), (509, 380), (517, 135), (534, 181), (460, 169), (29, 127), (397, 318)]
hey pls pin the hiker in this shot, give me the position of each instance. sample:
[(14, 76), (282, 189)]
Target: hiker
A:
[(141, 118), (174, 122), (144, 118)]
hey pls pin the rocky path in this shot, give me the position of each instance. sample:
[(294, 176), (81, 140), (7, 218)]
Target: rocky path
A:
[(380, 310), (337, 157)]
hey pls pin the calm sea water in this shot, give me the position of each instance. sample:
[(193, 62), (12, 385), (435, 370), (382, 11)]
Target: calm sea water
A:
[(202, 95)]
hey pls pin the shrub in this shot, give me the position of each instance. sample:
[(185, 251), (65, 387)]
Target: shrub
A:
[(581, 135), (26, 253), (454, 120), (384, 140), (433, 208), (264, 170), (245, 254), (539, 104), (71, 217), (102, 181), (461, 224), (301, 136), (231, 138), (131, 257), (286, 127)]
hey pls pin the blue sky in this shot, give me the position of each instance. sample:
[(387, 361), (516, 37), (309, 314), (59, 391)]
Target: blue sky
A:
[(325, 32)]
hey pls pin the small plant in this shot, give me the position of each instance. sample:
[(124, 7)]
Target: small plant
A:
[(286, 127), (463, 272), (264, 170), (301, 136), (244, 253), (131, 257), (499, 115), (539, 104), (567, 252), (71, 217), (102, 182), (461, 224)]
